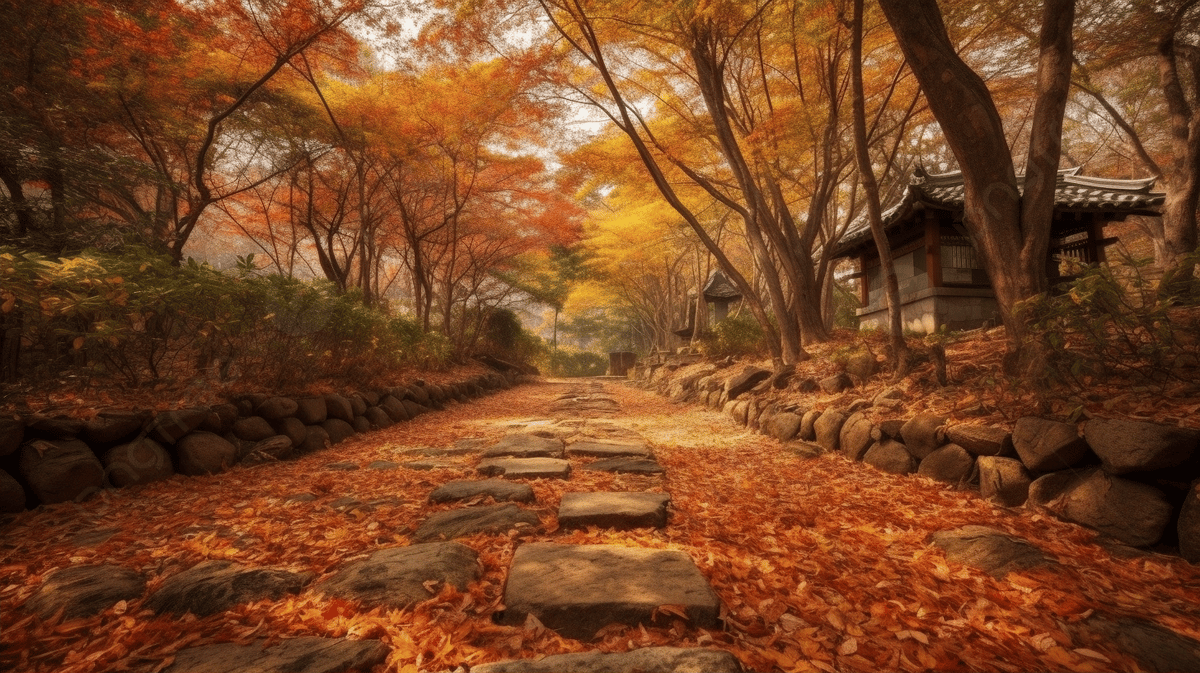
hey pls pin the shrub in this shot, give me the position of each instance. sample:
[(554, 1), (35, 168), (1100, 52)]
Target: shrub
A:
[(734, 336), (571, 362)]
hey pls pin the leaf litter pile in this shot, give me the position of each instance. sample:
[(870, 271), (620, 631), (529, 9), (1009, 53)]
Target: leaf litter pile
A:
[(820, 564)]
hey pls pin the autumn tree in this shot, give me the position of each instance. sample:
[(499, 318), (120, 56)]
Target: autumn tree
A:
[(1010, 229)]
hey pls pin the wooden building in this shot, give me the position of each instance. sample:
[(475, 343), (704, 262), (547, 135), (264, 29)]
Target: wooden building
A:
[(942, 281)]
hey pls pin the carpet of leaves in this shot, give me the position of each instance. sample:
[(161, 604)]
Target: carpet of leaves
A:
[(820, 564)]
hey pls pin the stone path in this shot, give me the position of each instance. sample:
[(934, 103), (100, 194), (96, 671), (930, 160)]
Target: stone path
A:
[(496, 489)]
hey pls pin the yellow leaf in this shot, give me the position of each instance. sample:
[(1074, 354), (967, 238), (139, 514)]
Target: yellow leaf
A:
[(849, 646), (10, 300), (78, 343), (1092, 654)]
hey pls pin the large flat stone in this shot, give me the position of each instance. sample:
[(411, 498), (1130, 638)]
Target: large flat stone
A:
[(525, 468), (83, 591), (397, 577), (309, 654), (578, 589), (627, 465), (496, 488), (990, 550), (609, 449), (526, 446), (471, 520), (621, 511), (217, 585), (647, 660)]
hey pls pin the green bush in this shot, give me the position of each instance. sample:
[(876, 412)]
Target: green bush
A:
[(570, 362), (139, 319), (736, 335)]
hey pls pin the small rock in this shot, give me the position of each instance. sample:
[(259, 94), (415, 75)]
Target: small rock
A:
[(276, 408), (656, 659), (138, 462), (951, 463), (12, 494), (315, 440), (83, 591), (378, 418), (454, 523), (398, 577), (1046, 445), (1004, 481), (338, 430), (169, 426), (828, 428), (340, 408), (744, 380), (311, 410), (218, 585), (342, 467), (60, 470), (783, 426), (890, 456), (990, 550), (307, 654), (808, 426), (383, 465), (920, 434), (855, 436), (620, 511), (837, 383), (203, 453), (495, 488), (253, 429), (862, 365), (112, 427), (1134, 446), (361, 424), (981, 440)]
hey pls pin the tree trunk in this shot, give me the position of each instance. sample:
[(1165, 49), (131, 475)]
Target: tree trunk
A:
[(871, 190)]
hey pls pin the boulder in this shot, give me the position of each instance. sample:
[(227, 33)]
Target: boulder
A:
[(338, 430), (203, 453), (981, 440), (361, 424), (292, 428), (1046, 445), (855, 436), (12, 494), (808, 426), (371, 398), (951, 463), (744, 380), (1189, 526), (60, 470), (418, 394), (890, 456), (253, 429), (378, 418), (311, 410), (889, 398), (12, 432), (316, 440), (837, 383), (414, 409), (862, 365), (1156, 648), (84, 591), (496, 519), (358, 405), (992, 551), (276, 408), (395, 410), (138, 462), (113, 427), (920, 434), (495, 488), (169, 426), (656, 659), (307, 654), (783, 426), (1135, 446), (217, 585), (220, 420), (339, 407), (828, 429), (1004, 481), (890, 429), (398, 577), (1131, 512)]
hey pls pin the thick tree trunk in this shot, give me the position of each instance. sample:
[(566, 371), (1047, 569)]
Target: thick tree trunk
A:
[(1179, 236)]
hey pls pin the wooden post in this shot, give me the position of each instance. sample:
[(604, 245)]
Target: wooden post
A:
[(864, 289), (933, 249)]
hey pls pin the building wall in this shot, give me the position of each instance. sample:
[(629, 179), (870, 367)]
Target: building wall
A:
[(924, 311)]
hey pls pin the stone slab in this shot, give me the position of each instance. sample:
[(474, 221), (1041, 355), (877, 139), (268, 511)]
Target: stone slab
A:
[(471, 520), (217, 585), (310, 654), (647, 660), (398, 577), (496, 488), (626, 465), (609, 449), (990, 550), (425, 465), (83, 591), (526, 446), (620, 511), (525, 468), (578, 589)]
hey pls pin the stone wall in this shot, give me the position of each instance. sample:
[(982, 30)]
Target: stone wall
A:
[(46, 460), (1135, 482)]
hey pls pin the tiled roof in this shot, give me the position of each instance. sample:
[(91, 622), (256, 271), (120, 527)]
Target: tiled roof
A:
[(1074, 192), (719, 287)]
